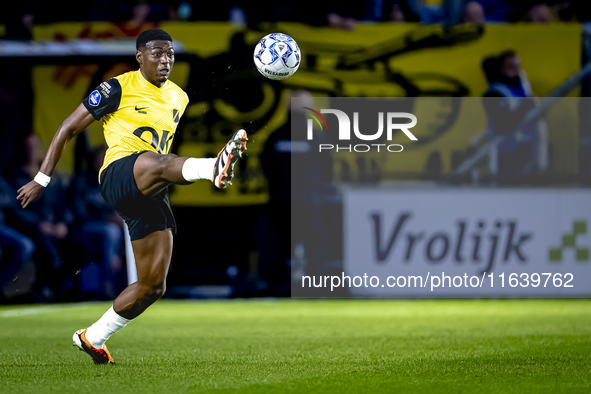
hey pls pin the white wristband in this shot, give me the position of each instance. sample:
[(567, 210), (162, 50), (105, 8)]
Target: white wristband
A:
[(42, 179)]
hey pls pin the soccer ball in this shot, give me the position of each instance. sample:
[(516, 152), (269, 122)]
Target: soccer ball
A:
[(277, 56)]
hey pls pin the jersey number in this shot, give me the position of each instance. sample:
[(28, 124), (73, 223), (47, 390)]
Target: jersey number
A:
[(162, 145)]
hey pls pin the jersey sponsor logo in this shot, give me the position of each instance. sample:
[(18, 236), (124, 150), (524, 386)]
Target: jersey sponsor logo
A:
[(95, 98), (161, 144)]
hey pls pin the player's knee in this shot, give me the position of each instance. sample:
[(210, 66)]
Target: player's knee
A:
[(162, 164)]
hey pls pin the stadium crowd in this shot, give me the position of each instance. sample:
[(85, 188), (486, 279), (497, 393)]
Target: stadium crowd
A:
[(21, 16)]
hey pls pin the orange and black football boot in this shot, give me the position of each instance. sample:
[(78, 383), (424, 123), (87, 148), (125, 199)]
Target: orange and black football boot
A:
[(99, 356), (223, 171)]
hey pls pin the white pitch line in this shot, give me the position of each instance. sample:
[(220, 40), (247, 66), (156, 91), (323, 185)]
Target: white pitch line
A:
[(39, 310)]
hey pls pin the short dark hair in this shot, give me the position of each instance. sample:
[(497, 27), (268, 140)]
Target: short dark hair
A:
[(150, 35), (492, 65), (491, 68), (508, 54)]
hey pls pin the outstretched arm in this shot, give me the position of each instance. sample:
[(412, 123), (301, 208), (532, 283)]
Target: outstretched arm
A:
[(79, 120)]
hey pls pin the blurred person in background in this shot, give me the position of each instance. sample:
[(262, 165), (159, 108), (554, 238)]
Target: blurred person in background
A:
[(338, 14), (134, 12), (18, 20), (539, 12), (506, 107), (137, 12), (474, 13), (53, 213), (46, 223), (497, 10), (548, 11), (469, 12), (573, 10), (397, 11), (16, 253)]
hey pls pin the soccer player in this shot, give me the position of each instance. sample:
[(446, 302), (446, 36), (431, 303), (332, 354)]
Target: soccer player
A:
[(140, 111)]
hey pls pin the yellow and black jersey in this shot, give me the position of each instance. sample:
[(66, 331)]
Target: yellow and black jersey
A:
[(136, 115)]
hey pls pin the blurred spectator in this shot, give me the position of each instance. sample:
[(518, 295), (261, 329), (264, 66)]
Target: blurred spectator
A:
[(539, 13), (135, 11), (18, 21), (53, 214), (506, 109), (505, 76), (398, 11), (344, 14), (573, 10), (44, 221), (482, 11), (341, 14), (335, 13), (104, 10), (44, 253), (19, 17), (338, 14), (497, 10), (16, 252), (469, 12), (474, 13), (339, 21)]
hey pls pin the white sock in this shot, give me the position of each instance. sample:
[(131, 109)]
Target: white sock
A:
[(194, 169), (110, 323)]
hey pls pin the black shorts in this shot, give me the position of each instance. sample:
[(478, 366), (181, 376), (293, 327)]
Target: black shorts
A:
[(143, 215)]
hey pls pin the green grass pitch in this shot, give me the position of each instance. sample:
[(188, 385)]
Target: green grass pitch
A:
[(303, 346)]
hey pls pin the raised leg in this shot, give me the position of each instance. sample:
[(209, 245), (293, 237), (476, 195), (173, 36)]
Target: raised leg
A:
[(153, 172)]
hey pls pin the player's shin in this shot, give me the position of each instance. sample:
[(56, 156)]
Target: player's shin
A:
[(194, 169)]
